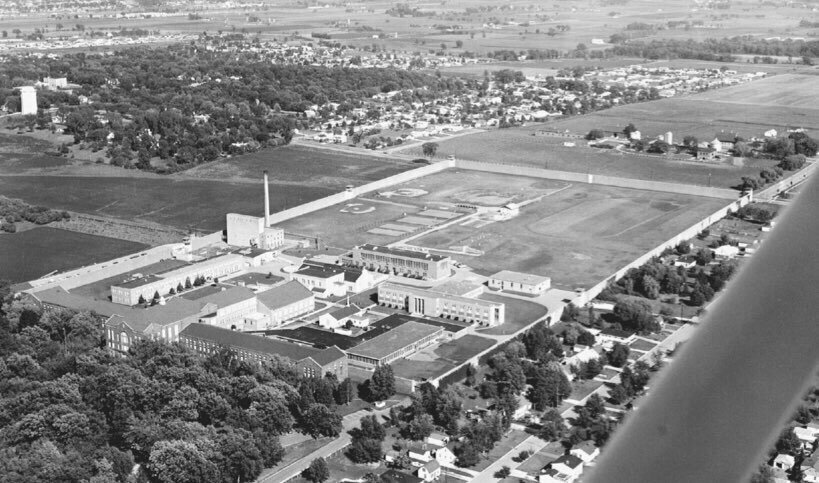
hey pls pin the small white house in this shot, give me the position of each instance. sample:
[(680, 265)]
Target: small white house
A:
[(586, 451), (445, 456), (726, 251), (430, 471), (784, 462), (438, 438)]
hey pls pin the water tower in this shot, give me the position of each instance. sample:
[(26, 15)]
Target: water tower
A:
[(28, 100)]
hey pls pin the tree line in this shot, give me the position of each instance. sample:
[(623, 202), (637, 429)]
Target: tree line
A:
[(13, 211), (72, 411)]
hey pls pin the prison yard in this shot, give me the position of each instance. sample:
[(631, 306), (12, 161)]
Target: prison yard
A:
[(575, 233)]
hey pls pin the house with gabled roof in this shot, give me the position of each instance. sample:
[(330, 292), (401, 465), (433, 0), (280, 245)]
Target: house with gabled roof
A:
[(430, 471), (586, 451), (338, 318)]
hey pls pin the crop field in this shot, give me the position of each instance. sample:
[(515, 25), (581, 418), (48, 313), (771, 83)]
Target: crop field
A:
[(302, 165), (181, 203), (202, 196), (788, 90), (520, 146), (33, 253)]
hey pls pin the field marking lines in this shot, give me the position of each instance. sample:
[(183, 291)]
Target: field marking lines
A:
[(107, 206), (635, 226), (402, 205)]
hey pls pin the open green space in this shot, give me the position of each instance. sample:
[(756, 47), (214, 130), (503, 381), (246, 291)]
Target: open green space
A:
[(303, 165), (177, 202), (522, 146), (33, 253), (434, 362), (582, 389), (518, 314)]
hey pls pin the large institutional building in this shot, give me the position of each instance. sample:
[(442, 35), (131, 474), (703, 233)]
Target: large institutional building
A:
[(129, 292), (308, 361), (402, 341), (253, 231), (407, 263), (447, 300)]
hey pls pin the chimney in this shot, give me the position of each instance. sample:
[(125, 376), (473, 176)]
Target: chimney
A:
[(266, 202)]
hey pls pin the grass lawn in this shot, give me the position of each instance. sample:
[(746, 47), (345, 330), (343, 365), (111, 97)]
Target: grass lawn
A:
[(297, 452), (642, 345), (431, 363), (506, 444), (342, 468), (356, 405), (537, 461), (582, 389), (30, 254), (519, 314)]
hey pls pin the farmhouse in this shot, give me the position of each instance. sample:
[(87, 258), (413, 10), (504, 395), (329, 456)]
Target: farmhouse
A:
[(403, 341), (519, 282), (309, 361), (442, 302), (407, 263)]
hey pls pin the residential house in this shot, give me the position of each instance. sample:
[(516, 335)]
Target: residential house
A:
[(807, 437), (421, 452), (726, 251), (586, 451), (784, 462), (610, 336), (437, 438), (444, 456), (706, 154), (565, 469), (430, 471)]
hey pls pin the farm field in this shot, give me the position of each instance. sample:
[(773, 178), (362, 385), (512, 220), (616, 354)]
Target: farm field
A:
[(33, 253), (520, 146), (791, 90), (180, 203), (303, 165)]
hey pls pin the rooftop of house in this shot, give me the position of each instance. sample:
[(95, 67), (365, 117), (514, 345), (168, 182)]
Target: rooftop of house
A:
[(587, 447), (399, 337), (399, 252), (283, 295), (568, 460)]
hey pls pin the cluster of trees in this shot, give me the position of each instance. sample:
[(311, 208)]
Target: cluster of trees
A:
[(756, 212), (715, 49), (796, 143), (656, 278), (72, 411), (13, 211), (632, 382), (186, 105)]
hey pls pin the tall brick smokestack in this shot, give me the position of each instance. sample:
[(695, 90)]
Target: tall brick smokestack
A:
[(266, 202)]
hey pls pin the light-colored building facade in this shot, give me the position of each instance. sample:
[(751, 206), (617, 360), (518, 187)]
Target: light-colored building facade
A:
[(407, 263), (520, 282), (129, 292), (285, 302), (227, 309), (439, 304), (402, 341), (249, 231), (28, 100), (324, 281)]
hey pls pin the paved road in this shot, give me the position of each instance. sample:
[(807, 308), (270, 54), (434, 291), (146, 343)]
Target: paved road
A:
[(294, 469), (713, 414)]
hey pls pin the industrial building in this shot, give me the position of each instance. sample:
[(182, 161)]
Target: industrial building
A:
[(443, 301), (308, 361), (407, 263), (284, 302), (402, 341), (253, 231)]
